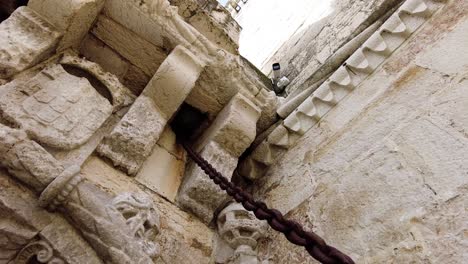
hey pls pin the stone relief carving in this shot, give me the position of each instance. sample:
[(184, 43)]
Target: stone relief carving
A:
[(25, 39), (142, 218), (88, 208), (13, 237), (56, 108), (39, 250), (242, 231), (121, 96), (399, 27)]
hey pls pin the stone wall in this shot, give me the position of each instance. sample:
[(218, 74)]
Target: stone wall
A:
[(383, 176), (212, 20), (309, 49), (91, 169)]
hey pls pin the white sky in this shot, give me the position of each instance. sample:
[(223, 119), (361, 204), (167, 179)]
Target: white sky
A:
[(267, 24)]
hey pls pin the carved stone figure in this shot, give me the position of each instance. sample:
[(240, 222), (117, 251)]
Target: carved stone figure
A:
[(241, 230), (142, 218)]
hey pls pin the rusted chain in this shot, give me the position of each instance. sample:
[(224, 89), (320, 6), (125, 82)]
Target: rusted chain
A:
[(293, 231)]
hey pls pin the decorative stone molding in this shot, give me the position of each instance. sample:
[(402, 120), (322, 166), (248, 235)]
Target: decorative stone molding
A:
[(88, 207), (25, 39), (392, 34), (58, 191), (134, 137), (41, 251), (241, 230)]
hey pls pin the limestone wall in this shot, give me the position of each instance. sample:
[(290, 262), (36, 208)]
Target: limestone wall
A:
[(90, 169), (383, 176), (310, 48)]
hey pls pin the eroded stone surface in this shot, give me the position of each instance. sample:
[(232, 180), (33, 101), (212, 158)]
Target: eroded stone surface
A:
[(56, 108), (72, 17), (182, 238), (388, 167), (221, 144), (134, 137), (26, 39), (242, 231)]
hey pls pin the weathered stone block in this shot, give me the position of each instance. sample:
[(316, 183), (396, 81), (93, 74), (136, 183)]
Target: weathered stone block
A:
[(72, 17), (227, 138), (198, 193), (134, 137), (26, 38), (56, 108), (129, 45), (234, 127), (164, 169), (95, 50), (129, 14), (174, 81)]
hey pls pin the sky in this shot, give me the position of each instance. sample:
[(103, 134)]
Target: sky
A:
[(267, 24), (223, 2)]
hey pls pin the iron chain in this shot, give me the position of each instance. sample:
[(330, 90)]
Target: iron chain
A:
[(293, 231)]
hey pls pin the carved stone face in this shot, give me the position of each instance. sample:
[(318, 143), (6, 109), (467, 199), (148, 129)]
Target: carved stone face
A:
[(142, 219), (55, 108)]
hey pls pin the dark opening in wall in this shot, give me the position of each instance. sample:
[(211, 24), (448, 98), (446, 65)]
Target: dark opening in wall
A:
[(189, 123), (7, 7), (98, 85)]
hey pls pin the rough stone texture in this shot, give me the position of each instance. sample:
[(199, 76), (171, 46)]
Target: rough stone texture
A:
[(111, 61), (363, 62), (383, 176), (183, 239), (129, 14), (212, 20), (25, 39), (305, 52), (221, 144), (134, 137), (234, 127), (23, 221), (72, 17), (198, 194), (56, 108), (129, 45)]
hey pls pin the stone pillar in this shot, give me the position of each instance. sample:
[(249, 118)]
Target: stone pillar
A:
[(241, 230), (116, 236), (133, 139), (222, 144)]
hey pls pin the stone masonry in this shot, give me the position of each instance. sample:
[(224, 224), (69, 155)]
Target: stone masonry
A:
[(369, 150)]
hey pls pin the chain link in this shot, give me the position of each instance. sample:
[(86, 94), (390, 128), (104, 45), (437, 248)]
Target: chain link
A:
[(293, 231)]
